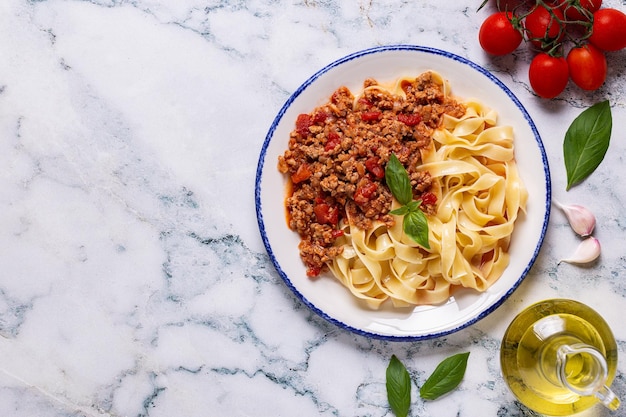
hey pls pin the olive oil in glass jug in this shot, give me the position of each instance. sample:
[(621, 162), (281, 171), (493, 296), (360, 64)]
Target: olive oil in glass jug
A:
[(559, 357)]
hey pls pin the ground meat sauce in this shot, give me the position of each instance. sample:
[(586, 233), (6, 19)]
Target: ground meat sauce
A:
[(337, 156)]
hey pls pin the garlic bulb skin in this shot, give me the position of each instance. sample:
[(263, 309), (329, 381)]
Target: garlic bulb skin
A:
[(587, 251), (580, 218)]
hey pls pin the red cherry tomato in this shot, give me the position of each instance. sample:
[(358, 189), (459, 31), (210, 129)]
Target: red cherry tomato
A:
[(609, 30), (587, 67), (548, 75), (544, 26), (498, 34), (572, 13)]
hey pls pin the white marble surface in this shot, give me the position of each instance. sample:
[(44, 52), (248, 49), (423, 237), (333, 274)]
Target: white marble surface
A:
[(134, 281)]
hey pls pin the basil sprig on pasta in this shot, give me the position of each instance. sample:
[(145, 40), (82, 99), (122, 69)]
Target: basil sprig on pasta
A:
[(414, 222)]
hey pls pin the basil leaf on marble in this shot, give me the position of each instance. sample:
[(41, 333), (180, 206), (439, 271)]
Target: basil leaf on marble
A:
[(482, 5), (398, 387), (446, 377), (398, 180), (586, 142)]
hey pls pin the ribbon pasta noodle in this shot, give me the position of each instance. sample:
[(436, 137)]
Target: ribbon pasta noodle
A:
[(480, 194)]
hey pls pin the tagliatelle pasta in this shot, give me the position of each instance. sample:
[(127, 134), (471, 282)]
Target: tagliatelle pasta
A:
[(459, 158), (480, 195)]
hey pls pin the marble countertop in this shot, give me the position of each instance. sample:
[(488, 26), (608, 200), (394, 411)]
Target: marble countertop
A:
[(134, 279)]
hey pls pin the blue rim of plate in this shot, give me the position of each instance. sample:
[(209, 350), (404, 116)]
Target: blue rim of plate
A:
[(261, 163)]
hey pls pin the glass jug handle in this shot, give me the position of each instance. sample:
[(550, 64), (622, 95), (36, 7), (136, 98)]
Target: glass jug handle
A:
[(588, 376)]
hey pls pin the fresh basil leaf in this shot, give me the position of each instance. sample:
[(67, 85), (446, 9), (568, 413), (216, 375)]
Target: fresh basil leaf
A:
[(586, 142), (414, 205), (398, 387), (400, 211), (446, 377), (415, 225), (398, 180), (482, 5)]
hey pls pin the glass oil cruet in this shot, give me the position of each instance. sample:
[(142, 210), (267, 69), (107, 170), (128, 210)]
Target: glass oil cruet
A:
[(559, 357)]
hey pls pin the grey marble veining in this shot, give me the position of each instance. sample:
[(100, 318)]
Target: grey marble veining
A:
[(134, 280)]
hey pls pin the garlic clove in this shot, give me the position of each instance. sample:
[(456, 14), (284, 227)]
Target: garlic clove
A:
[(581, 219), (587, 251)]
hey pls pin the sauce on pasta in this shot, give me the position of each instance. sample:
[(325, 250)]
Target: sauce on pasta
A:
[(461, 166)]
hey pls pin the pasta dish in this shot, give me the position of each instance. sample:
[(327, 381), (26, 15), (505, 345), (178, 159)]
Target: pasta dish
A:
[(461, 168)]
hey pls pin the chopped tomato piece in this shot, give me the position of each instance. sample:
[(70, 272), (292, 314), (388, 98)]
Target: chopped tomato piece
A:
[(370, 116), (342, 94), (303, 173), (313, 272), (337, 233), (363, 102), (320, 117), (409, 119), (332, 140), (365, 192), (325, 214), (429, 198), (303, 122), (373, 165)]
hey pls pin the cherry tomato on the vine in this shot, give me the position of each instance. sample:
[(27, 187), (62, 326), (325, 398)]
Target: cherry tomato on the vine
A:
[(609, 29), (498, 35), (571, 39), (572, 9), (544, 26), (587, 67), (548, 75)]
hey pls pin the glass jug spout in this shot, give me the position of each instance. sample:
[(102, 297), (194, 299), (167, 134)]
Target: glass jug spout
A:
[(583, 370)]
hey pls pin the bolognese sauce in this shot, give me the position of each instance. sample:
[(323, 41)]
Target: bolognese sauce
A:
[(337, 155)]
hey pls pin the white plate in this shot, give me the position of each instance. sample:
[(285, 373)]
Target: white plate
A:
[(325, 295)]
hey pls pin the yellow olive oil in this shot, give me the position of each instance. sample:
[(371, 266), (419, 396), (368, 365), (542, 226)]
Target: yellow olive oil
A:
[(529, 356)]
